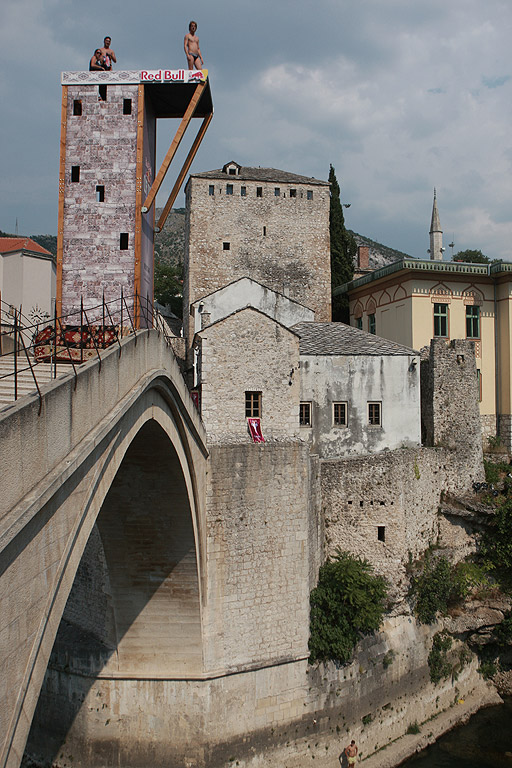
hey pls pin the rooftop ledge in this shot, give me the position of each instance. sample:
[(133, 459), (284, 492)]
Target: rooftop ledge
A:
[(426, 265), (135, 76)]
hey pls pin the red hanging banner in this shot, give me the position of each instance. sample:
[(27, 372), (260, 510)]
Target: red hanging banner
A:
[(255, 430)]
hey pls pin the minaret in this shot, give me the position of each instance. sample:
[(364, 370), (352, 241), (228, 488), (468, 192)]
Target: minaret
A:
[(436, 234)]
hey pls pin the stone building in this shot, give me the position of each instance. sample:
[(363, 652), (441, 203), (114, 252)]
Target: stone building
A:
[(412, 301), (359, 394), (269, 225), (248, 367)]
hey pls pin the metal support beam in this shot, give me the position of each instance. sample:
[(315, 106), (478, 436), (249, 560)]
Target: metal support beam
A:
[(194, 101), (186, 165)]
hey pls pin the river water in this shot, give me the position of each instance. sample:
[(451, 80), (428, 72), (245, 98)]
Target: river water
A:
[(485, 740)]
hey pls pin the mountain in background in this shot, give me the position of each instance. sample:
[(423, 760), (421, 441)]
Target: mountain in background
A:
[(380, 255), (170, 242)]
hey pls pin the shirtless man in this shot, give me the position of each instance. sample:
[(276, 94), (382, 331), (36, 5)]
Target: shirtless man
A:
[(191, 45), (108, 53), (351, 753)]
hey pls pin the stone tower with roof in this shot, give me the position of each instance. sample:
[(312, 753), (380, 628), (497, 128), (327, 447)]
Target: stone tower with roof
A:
[(436, 234), (262, 223)]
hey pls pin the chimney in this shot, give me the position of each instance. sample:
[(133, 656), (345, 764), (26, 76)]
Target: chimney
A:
[(363, 257)]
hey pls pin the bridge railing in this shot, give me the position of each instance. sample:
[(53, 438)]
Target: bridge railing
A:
[(36, 352)]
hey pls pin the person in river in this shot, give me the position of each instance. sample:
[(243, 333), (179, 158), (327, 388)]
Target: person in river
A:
[(191, 45), (351, 753)]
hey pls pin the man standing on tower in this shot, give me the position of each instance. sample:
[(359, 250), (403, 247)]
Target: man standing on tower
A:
[(191, 45), (108, 53)]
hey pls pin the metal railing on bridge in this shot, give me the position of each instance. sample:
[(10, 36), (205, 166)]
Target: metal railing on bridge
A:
[(33, 353)]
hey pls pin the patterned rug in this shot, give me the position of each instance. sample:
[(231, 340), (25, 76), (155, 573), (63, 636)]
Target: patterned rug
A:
[(74, 343)]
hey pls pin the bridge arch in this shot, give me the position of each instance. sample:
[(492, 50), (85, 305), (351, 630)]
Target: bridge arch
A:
[(150, 426)]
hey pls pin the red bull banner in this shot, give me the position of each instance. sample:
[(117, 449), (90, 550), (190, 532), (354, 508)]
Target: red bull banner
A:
[(173, 75)]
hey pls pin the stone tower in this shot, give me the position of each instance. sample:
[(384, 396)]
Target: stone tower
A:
[(108, 180), (436, 234), (269, 225)]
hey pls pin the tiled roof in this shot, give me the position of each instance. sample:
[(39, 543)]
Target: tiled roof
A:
[(341, 339), (13, 244), (262, 174)]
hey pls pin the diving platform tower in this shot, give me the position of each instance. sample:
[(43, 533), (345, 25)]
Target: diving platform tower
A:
[(108, 179)]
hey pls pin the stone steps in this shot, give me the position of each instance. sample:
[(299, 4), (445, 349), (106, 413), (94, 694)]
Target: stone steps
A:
[(44, 373)]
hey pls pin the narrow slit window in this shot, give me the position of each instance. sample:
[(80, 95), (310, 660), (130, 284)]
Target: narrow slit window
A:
[(127, 106), (75, 173), (253, 405), (381, 533), (264, 231), (123, 241), (259, 191), (100, 193), (226, 246), (102, 92), (77, 107)]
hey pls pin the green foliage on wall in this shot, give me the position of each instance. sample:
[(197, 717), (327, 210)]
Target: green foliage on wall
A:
[(497, 540), (439, 666), (348, 602), (436, 585)]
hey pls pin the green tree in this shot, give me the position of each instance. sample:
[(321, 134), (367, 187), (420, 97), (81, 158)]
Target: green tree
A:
[(471, 257), (343, 250), (349, 601), (169, 286)]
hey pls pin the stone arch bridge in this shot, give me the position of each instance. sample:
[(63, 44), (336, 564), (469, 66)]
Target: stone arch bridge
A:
[(111, 474)]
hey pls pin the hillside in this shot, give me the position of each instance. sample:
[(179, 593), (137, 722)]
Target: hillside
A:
[(380, 255)]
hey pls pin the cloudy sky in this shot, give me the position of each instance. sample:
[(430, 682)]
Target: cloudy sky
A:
[(401, 96)]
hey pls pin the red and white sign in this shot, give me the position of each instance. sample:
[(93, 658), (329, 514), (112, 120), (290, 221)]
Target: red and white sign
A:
[(173, 75)]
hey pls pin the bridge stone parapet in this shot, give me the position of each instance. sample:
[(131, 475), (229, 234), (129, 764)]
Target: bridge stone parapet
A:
[(58, 470)]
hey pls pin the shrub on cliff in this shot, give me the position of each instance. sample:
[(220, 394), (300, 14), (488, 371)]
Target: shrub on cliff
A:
[(497, 540), (437, 585), (348, 602)]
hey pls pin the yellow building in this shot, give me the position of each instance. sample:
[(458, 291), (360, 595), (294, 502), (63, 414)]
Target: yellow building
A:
[(412, 301)]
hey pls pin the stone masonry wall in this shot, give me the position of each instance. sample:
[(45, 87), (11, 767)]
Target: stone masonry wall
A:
[(102, 142), (282, 242), (249, 352), (384, 507), (450, 412), (262, 542)]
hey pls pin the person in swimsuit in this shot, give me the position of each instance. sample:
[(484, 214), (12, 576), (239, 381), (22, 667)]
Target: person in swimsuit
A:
[(108, 53), (97, 62), (191, 45), (351, 753)]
